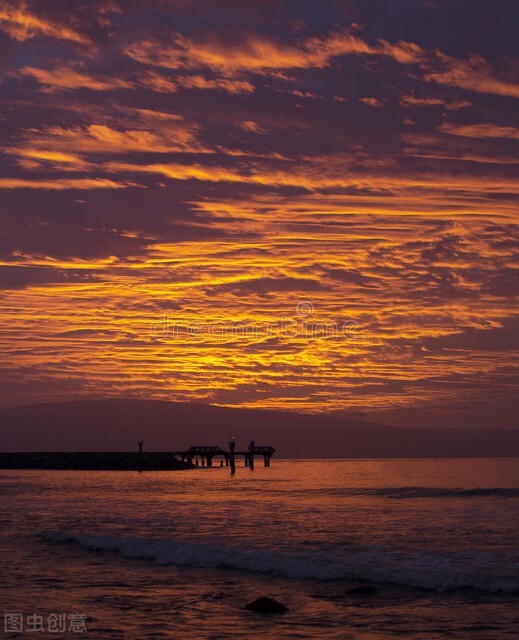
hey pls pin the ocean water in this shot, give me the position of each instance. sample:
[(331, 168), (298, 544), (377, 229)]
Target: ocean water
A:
[(179, 554)]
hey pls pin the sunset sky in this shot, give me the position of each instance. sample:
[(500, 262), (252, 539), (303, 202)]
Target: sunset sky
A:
[(301, 205)]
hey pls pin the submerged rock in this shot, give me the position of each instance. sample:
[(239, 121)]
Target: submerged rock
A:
[(362, 591), (266, 605)]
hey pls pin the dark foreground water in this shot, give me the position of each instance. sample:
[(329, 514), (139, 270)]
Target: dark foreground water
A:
[(179, 554)]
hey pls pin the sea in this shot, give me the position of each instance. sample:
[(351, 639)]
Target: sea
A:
[(179, 554)]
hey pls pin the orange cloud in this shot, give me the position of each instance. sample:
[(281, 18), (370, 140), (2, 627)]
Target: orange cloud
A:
[(315, 176), (461, 156), (372, 102), (255, 54), (474, 74), (480, 150), (161, 133), (252, 127), (59, 184), (486, 130), (46, 156), (223, 84), (64, 77), (261, 55), (159, 83), (413, 101), (21, 24), (401, 51)]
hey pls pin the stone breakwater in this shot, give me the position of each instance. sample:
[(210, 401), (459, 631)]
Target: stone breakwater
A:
[(101, 461)]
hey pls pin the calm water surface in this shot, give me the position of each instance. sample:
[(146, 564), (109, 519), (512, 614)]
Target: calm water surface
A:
[(179, 554)]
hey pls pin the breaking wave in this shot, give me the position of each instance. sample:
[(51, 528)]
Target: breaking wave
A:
[(428, 571), (399, 493)]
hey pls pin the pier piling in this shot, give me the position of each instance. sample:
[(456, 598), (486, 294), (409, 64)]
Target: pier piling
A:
[(231, 457), (251, 455), (140, 454)]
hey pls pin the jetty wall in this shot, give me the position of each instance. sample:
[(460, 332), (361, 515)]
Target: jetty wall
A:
[(119, 460)]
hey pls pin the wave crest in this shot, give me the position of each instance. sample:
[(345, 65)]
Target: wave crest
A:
[(427, 571), (427, 492)]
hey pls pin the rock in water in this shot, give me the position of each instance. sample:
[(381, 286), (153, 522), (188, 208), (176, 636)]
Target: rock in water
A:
[(362, 591), (266, 605)]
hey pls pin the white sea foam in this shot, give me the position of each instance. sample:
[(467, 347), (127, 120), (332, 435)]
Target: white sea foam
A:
[(429, 571)]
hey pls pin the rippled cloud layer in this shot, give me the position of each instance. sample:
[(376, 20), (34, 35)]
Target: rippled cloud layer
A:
[(272, 205)]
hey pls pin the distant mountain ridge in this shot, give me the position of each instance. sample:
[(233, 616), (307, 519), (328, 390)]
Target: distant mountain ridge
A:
[(117, 425)]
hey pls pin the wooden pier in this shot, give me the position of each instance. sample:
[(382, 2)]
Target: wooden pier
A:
[(205, 456), (139, 460)]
